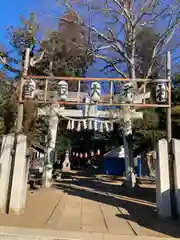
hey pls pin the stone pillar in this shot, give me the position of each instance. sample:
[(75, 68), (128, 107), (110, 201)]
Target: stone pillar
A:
[(48, 166), (47, 175), (176, 151), (53, 126), (126, 159), (19, 180), (162, 180), (89, 110), (28, 158), (128, 146), (5, 169)]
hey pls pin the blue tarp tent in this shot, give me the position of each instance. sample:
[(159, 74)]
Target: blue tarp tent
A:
[(114, 162)]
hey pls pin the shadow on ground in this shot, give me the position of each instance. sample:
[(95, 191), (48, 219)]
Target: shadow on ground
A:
[(87, 180), (139, 202)]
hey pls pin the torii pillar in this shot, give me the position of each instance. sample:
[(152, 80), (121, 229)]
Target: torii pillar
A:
[(48, 166)]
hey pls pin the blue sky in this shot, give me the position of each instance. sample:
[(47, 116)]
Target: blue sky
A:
[(46, 11), (11, 11), (9, 15)]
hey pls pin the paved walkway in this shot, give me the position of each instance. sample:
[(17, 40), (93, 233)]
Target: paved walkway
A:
[(83, 203), (12, 233), (15, 233)]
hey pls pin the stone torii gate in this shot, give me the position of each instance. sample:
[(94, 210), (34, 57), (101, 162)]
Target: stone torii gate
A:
[(90, 111)]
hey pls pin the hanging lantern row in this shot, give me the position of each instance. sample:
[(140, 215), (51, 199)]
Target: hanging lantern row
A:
[(62, 91), (29, 90), (90, 125)]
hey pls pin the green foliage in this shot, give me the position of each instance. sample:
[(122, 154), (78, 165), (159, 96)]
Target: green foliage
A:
[(25, 35), (176, 90), (66, 48), (146, 39), (7, 106), (176, 106), (149, 130), (64, 138), (63, 143)]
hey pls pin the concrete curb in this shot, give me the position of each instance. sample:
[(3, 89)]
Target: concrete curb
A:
[(17, 233)]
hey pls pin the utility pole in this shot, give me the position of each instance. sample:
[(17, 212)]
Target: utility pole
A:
[(174, 213)]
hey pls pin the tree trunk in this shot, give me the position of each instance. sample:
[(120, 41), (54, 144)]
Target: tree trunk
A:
[(133, 50)]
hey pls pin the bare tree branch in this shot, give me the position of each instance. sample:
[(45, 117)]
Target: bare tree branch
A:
[(161, 41), (3, 59), (148, 9), (34, 60), (122, 7), (129, 18), (115, 44), (109, 61)]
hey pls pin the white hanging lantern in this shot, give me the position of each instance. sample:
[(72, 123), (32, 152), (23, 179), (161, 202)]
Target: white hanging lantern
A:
[(29, 89), (62, 89), (69, 125), (92, 154), (95, 93), (98, 152), (72, 125), (84, 124), (101, 127), (79, 127), (106, 126), (128, 92), (95, 126), (161, 93), (90, 127), (111, 126)]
